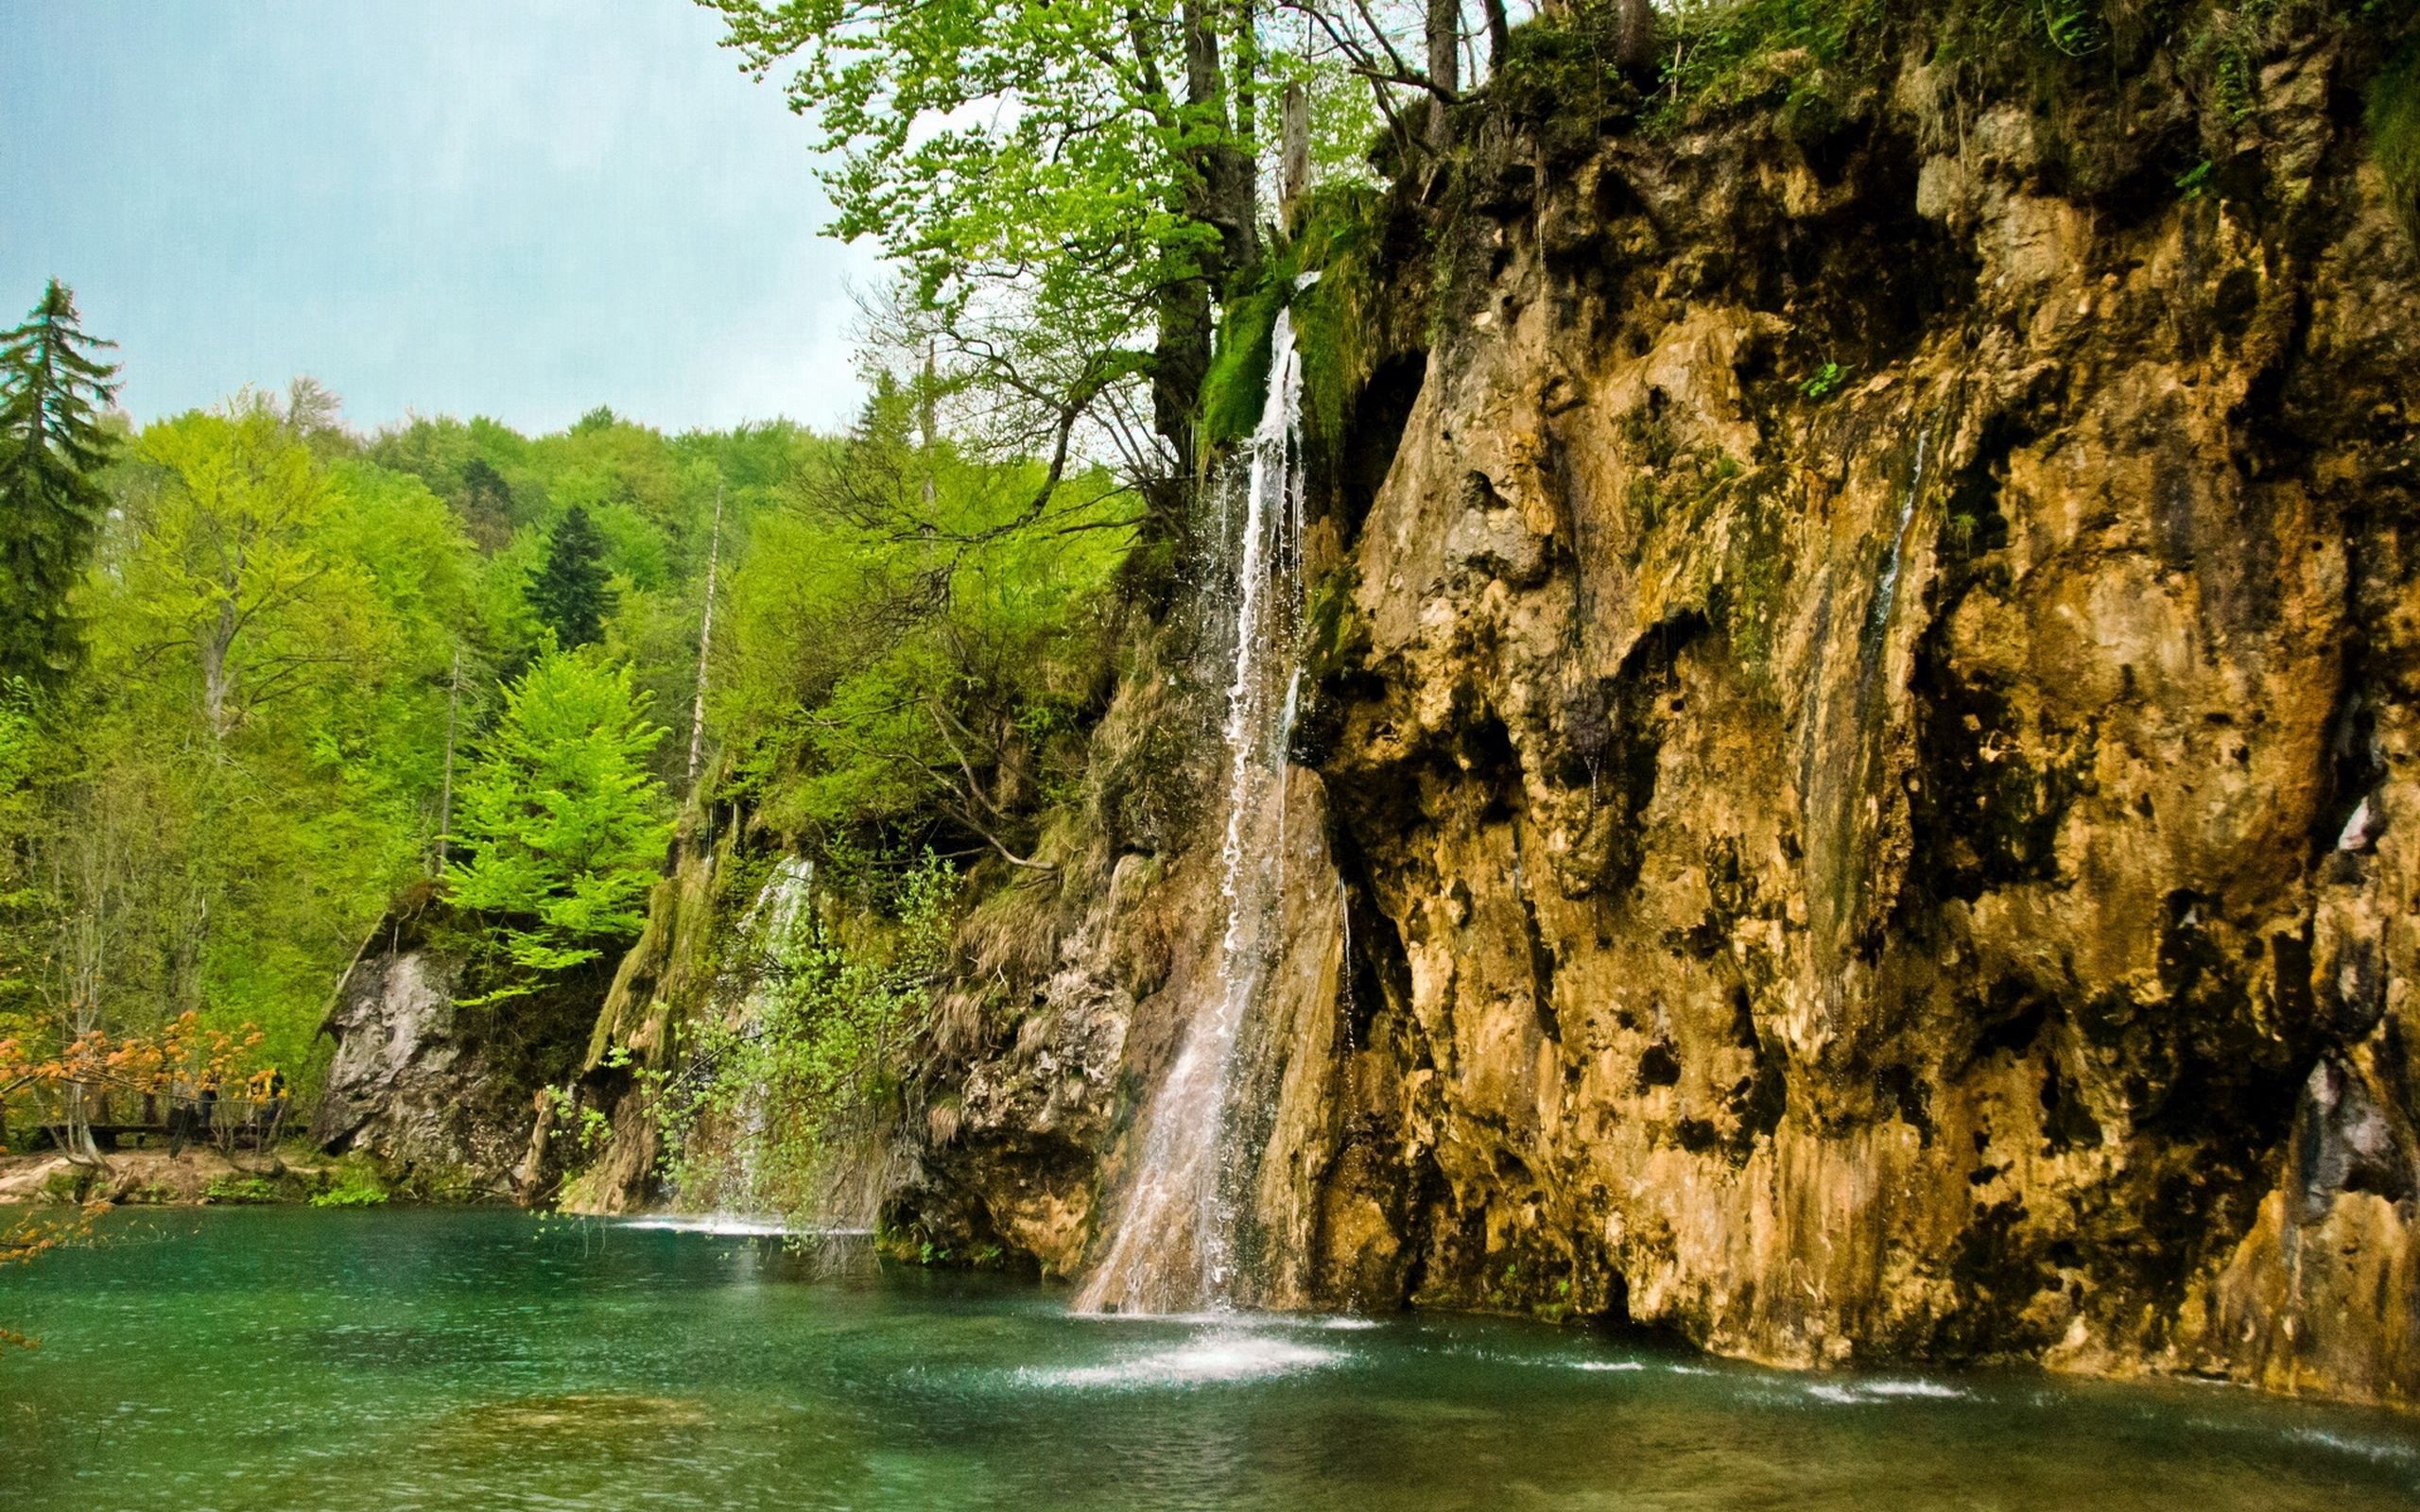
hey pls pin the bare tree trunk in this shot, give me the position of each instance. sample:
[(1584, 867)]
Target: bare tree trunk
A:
[(706, 621), (1634, 35), (1294, 157), (1181, 352), (1245, 154), (445, 794), (1445, 66), (1499, 35), (928, 428), (215, 681), (1225, 195), (76, 1133)]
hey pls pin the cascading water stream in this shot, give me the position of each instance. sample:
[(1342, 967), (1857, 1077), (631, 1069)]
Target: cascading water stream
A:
[(766, 931), (1175, 1245)]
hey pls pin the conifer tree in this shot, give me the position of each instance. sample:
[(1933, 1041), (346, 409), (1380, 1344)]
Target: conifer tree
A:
[(52, 448), (570, 592)]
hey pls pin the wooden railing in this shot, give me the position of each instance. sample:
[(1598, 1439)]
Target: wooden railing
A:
[(109, 1115)]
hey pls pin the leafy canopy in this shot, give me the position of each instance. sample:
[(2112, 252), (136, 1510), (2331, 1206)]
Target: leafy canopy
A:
[(566, 823)]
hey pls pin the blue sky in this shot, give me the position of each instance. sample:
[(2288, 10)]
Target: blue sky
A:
[(515, 208)]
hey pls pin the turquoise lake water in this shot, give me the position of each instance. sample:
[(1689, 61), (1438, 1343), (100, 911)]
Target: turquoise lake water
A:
[(330, 1361)]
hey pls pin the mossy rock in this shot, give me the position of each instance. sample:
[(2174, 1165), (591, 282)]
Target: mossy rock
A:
[(1235, 391), (71, 1184), (2392, 116), (355, 1181)]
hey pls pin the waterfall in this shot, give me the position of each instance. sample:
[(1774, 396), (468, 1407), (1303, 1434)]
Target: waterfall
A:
[(765, 933), (1176, 1244)]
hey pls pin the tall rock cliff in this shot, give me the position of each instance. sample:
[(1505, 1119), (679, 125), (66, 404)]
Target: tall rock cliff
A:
[(1863, 800)]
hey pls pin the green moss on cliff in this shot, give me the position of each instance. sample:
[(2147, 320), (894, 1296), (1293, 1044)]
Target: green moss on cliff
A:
[(1804, 57), (1233, 390), (1772, 52), (2393, 121), (1335, 320)]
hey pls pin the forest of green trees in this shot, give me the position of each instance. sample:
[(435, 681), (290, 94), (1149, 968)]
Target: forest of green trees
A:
[(265, 672)]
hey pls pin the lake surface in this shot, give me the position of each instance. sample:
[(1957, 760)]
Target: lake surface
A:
[(328, 1362)]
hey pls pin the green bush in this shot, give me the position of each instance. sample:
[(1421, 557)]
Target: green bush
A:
[(237, 1189), (67, 1185), (840, 1011), (355, 1183)]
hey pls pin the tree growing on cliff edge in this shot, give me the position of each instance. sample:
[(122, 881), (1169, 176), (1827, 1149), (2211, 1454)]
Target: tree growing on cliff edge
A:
[(570, 592), (52, 447), (565, 824), (1071, 190)]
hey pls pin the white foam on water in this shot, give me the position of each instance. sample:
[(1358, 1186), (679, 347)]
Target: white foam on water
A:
[(733, 1225), (1607, 1365), (1915, 1388), (1853, 1392), (2367, 1447), (1228, 1319), (1209, 1360)]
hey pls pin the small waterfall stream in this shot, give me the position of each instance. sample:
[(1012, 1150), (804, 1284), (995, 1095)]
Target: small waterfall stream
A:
[(766, 932), (1175, 1245)]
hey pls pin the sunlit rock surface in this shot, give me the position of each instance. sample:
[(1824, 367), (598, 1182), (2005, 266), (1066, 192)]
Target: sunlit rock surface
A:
[(1860, 799)]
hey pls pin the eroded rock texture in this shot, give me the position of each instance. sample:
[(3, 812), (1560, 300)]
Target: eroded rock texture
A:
[(437, 1090), (1867, 759)]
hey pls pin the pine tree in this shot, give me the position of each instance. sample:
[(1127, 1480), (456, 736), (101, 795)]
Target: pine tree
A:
[(52, 448), (486, 508), (570, 592)]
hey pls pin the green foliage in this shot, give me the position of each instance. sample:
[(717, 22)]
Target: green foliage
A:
[(355, 1183), (279, 614), (52, 449), (209, 817), (565, 822), (1824, 383), (238, 1189), (899, 672), (570, 592), (1082, 184)]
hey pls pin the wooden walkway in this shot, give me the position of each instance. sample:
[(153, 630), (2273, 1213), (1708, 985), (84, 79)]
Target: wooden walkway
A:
[(228, 1123)]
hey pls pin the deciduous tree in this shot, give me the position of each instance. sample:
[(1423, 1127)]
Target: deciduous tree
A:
[(565, 824)]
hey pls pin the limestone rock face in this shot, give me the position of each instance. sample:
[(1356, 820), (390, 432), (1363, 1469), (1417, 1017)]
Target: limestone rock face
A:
[(405, 1085), (432, 1088), (663, 982), (1866, 786)]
